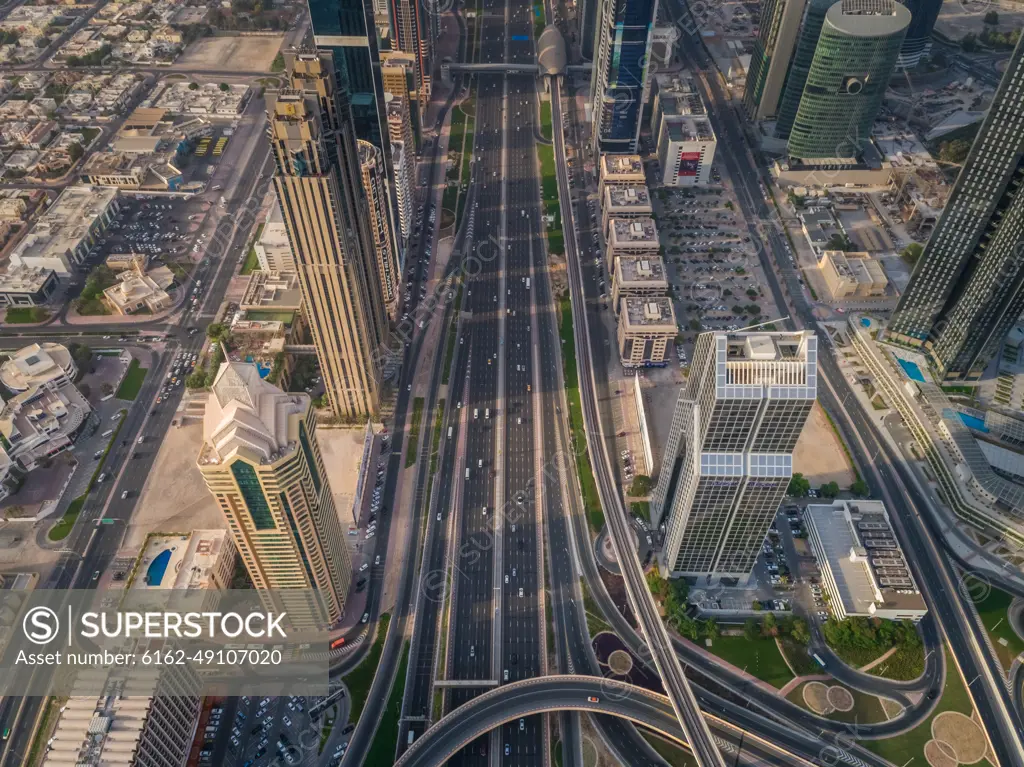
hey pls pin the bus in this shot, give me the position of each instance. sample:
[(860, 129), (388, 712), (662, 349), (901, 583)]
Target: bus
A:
[(337, 643), (527, 283), (819, 660), (7, 733)]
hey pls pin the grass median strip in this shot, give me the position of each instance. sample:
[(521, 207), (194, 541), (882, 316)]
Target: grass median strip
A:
[(385, 740), (453, 329), (414, 431), (577, 433), (549, 193), (358, 681), (436, 441)]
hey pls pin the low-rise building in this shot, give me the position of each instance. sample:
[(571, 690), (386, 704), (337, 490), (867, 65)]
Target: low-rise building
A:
[(273, 249), (646, 325), (12, 208), (208, 99), (47, 413), (22, 160), (131, 170), (63, 235), (631, 237), (271, 292), (138, 290), (686, 150), (625, 202), (620, 170), (638, 277), (818, 226), (119, 262), (852, 274), (201, 559), (863, 569), (26, 286)]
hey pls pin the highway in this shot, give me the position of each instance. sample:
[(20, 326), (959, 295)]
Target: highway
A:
[(683, 701), (612, 699)]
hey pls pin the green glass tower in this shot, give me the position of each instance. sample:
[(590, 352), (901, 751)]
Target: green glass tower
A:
[(780, 22), (853, 61), (793, 87), (967, 290)]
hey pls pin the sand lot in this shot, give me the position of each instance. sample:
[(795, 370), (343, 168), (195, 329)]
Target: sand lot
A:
[(231, 54), (819, 456), (957, 19), (175, 497)]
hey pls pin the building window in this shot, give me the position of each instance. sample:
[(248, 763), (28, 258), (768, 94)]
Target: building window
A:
[(252, 494), (314, 470)]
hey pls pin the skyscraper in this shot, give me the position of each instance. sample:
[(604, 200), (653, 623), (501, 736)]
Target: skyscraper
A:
[(800, 65), (773, 51), (967, 290), (619, 81), (923, 15), (375, 189), (729, 455), (853, 61), (319, 187), (588, 11), (261, 461), (346, 28), (411, 37)]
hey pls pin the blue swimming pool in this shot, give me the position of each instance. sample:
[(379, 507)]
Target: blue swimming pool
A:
[(973, 422), (263, 369), (911, 369), (865, 322), (157, 568)]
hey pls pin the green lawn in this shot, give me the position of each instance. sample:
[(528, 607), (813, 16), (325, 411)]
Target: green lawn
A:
[(673, 753), (867, 709), (385, 740), (449, 352), (414, 431), (26, 314), (435, 438), (545, 119), (132, 383), (641, 509), (993, 612), (63, 526), (910, 745), (361, 677), (549, 193), (591, 499), (760, 658), (286, 317), (798, 658)]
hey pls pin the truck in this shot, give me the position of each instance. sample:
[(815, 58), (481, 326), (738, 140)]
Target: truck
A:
[(819, 660)]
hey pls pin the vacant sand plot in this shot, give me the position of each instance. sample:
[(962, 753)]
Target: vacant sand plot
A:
[(816, 698), (231, 54), (819, 456), (939, 754), (175, 498), (840, 698)]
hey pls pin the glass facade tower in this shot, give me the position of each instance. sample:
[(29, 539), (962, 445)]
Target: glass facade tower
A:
[(967, 290), (729, 456), (619, 83), (853, 61)]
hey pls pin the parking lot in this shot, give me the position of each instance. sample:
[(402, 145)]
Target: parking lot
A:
[(254, 732)]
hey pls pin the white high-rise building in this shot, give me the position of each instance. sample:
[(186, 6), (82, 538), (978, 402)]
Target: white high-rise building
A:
[(729, 456), (402, 163)]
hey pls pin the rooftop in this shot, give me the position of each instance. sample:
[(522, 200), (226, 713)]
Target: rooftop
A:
[(867, 569), (638, 230), (25, 279), (684, 128), (246, 414), (273, 291), (36, 365), (187, 561), (640, 269), (637, 197), (67, 222), (621, 164), (653, 313)]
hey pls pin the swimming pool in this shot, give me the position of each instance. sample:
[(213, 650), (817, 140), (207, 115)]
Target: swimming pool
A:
[(157, 568), (865, 322), (911, 369), (973, 422)]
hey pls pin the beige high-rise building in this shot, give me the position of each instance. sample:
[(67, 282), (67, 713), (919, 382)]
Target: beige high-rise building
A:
[(319, 187), (261, 460), (375, 188)]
